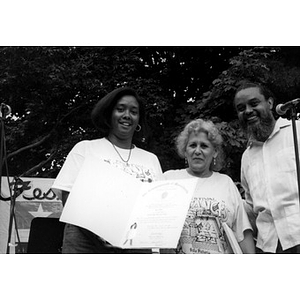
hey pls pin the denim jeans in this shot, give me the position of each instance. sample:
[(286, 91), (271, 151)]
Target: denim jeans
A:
[(78, 240)]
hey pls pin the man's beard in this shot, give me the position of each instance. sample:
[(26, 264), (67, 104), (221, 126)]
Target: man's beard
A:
[(262, 130)]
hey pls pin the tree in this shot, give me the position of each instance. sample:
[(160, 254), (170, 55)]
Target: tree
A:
[(267, 65), (52, 91)]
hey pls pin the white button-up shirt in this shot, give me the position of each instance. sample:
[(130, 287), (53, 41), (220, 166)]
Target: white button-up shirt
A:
[(269, 177)]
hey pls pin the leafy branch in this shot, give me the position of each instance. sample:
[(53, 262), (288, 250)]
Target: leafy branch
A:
[(45, 138)]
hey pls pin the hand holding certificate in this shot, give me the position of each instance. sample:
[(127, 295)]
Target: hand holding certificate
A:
[(126, 212)]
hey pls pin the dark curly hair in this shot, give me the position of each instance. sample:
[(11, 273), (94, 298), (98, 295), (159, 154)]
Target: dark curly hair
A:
[(101, 114), (264, 90)]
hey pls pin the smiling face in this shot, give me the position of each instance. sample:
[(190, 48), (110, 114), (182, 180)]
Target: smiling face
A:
[(199, 154), (254, 113), (124, 120)]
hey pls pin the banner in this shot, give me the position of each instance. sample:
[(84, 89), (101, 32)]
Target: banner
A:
[(34, 198)]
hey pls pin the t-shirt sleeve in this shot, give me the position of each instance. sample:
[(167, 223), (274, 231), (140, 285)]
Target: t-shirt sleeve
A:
[(166, 175), (241, 222), (171, 175), (244, 183), (157, 168), (69, 171)]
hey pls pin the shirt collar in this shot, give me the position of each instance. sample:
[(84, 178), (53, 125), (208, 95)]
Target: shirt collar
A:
[(280, 123)]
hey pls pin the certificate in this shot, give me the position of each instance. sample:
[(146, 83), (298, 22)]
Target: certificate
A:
[(231, 239), (126, 212)]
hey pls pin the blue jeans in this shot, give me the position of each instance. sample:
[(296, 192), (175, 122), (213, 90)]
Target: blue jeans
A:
[(78, 240)]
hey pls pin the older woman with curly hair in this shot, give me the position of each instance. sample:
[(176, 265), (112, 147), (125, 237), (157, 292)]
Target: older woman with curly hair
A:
[(216, 199)]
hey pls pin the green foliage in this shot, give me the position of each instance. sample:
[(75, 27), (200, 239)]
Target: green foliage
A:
[(52, 91), (267, 65)]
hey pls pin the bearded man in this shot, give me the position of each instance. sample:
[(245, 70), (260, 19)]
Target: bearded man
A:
[(268, 171)]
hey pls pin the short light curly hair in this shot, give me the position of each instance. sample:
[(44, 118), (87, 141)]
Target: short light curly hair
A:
[(213, 135)]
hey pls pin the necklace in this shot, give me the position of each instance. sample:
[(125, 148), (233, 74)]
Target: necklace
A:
[(125, 161)]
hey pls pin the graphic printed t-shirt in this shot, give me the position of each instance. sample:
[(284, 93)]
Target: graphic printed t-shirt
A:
[(215, 200), (142, 164)]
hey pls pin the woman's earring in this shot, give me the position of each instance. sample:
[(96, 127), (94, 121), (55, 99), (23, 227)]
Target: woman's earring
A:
[(138, 128), (214, 161)]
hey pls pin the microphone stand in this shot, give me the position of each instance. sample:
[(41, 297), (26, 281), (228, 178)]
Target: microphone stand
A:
[(3, 162), (293, 117)]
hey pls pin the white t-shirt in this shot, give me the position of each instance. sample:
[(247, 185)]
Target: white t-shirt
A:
[(216, 199), (142, 164)]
